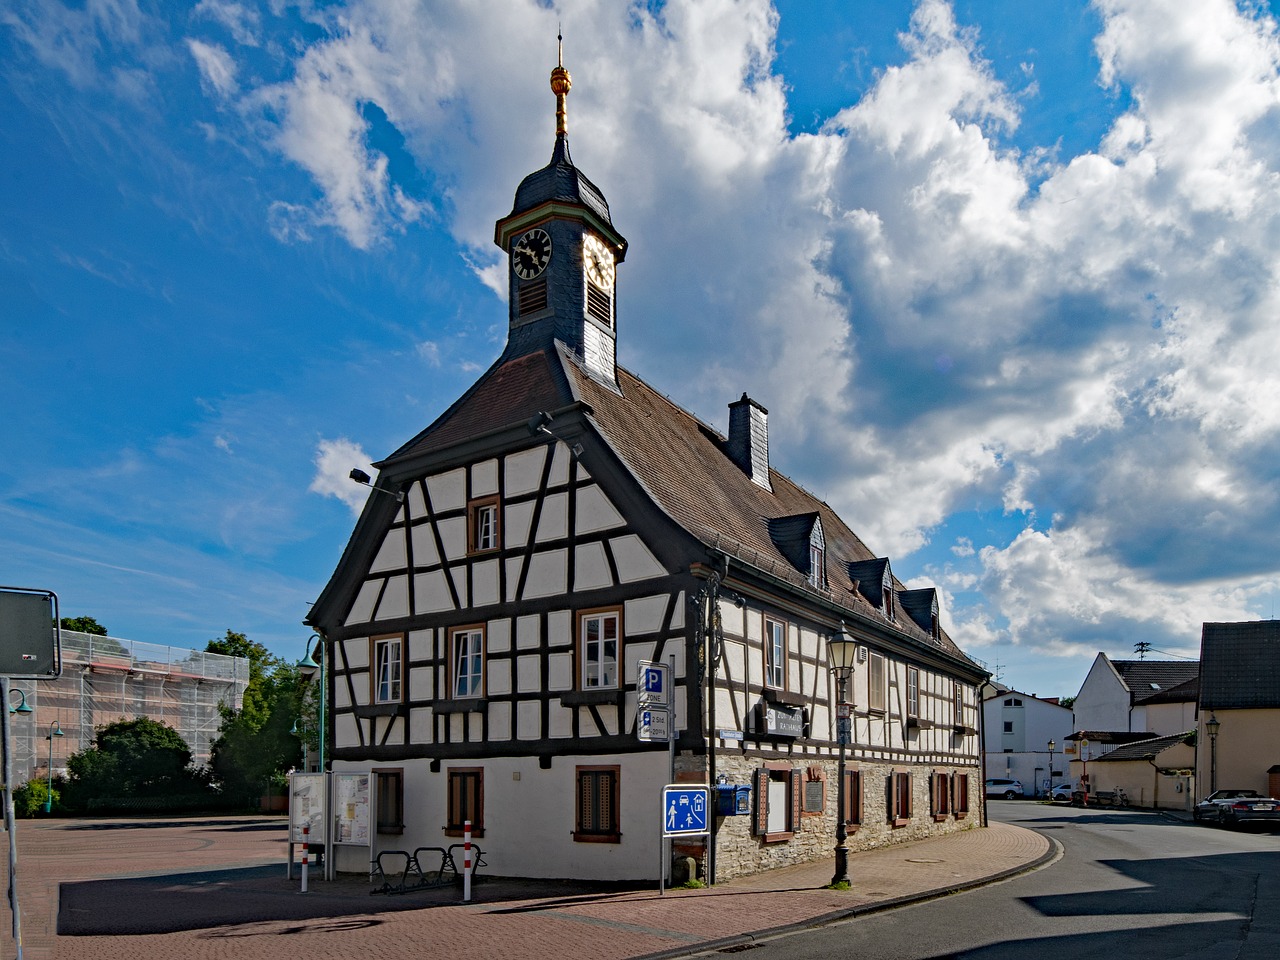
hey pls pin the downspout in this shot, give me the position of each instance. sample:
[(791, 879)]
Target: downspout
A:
[(982, 749), (1155, 785)]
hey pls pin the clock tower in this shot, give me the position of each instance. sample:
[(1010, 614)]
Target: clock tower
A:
[(562, 252)]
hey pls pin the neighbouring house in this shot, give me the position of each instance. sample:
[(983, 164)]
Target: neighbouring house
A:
[(1156, 697), (1239, 723), (1017, 730), (563, 522), (1156, 772)]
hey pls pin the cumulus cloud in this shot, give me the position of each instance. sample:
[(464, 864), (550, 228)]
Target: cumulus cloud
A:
[(934, 316), (334, 460)]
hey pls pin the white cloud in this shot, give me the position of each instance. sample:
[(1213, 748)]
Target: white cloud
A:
[(334, 461), (217, 69), (933, 318), (243, 22)]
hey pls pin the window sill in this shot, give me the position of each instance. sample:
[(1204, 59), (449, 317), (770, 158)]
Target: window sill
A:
[(587, 698), (367, 710), (962, 729), (391, 828), (778, 837), (900, 822), (467, 705), (476, 832), (941, 817), (596, 837), (920, 724)]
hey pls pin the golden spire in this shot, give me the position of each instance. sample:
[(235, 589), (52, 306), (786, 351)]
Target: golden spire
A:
[(560, 84)]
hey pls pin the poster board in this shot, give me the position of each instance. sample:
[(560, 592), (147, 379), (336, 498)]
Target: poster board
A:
[(352, 799), (307, 806), (30, 638)]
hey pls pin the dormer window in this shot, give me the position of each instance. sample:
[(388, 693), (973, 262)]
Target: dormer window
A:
[(817, 563)]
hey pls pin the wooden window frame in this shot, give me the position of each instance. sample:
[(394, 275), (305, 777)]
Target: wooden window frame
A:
[(877, 699), (853, 798), (475, 508), (960, 794), (584, 616), (781, 668), (913, 692), (941, 792), (455, 819), (957, 702), (794, 778), (900, 805), (395, 777), (817, 565), (454, 673), (376, 644), (591, 833)]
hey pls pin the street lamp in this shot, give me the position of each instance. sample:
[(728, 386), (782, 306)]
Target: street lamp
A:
[(1051, 746), (842, 653), (55, 730), (1212, 726), (308, 668), (22, 707)]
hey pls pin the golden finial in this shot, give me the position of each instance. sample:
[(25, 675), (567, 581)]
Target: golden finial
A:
[(560, 84)]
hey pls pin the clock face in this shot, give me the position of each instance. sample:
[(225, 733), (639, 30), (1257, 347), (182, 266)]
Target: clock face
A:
[(531, 254), (598, 262)]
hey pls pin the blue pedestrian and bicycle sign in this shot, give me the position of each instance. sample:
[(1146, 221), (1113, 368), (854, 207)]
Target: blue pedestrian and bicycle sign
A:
[(684, 810)]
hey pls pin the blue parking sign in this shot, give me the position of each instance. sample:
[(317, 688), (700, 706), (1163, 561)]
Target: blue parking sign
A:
[(652, 683)]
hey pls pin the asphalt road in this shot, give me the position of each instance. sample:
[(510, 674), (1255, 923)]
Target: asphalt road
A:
[(1128, 886)]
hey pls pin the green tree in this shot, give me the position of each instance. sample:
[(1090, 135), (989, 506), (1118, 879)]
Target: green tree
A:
[(130, 759), (1067, 702), (83, 625), (256, 746)]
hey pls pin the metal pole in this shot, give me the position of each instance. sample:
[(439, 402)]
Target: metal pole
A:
[(9, 824), (48, 798), (842, 832)]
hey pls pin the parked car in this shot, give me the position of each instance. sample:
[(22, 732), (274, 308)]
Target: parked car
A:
[(1062, 791), (1232, 807), (1210, 807), (1008, 789)]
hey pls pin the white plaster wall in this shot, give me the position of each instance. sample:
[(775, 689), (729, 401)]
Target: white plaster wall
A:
[(391, 555), (362, 609), (484, 583), (423, 542), (553, 524), (524, 471), (634, 560), (548, 574), (516, 518), (448, 490), (591, 568), (484, 478), (431, 592), (395, 599), (1103, 701), (453, 537), (595, 511)]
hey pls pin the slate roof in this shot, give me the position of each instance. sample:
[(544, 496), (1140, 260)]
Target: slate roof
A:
[(1144, 749), (1240, 665), (560, 180), (681, 462), (1147, 679)]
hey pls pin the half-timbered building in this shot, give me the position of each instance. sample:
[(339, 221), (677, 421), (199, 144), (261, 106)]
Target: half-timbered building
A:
[(563, 521)]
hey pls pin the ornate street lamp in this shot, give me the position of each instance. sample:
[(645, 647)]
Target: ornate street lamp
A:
[(1051, 747), (1212, 726), (55, 730), (842, 653), (22, 707), (308, 667)]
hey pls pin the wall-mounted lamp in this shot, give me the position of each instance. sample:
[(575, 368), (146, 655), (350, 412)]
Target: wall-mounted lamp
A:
[(359, 476), (538, 424)]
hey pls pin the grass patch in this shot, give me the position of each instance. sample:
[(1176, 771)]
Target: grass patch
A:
[(842, 885)]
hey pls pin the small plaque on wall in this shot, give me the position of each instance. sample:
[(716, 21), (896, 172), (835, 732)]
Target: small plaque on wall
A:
[(814, 793)]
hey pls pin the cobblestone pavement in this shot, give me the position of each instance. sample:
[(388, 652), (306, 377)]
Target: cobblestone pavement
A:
[(206, 888)]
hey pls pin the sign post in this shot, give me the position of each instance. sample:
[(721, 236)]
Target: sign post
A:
[(685, 813)]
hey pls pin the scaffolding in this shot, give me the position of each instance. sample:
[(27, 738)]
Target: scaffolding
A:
[(105, 679)]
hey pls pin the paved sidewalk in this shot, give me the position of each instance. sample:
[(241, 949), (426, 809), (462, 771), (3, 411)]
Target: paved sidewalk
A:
[(236, 902)]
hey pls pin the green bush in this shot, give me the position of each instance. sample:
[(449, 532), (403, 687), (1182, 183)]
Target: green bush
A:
[(29, 799)]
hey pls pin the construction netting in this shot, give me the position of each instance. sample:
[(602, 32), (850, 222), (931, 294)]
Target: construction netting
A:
[(105, 679)]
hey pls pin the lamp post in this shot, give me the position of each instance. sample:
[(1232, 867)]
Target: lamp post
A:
[(1084, 767), (842, 650), (22, 707), (300, 731), (55, 730), (308, 668), (1212, 726), (1051, 747)]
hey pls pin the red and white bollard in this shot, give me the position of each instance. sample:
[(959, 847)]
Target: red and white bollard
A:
[(306, 851), (466, 861)]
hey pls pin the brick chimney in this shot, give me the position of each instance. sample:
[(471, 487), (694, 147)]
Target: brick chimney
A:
[(749, 440)]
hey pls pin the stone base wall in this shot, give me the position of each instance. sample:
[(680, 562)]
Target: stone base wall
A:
[(740, 851)]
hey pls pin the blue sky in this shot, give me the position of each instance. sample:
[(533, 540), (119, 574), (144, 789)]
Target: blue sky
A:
[(1006, 282)]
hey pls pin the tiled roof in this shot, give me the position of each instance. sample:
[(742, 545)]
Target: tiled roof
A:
[(1150, 678), (1144, 749), (1108, 736), (681, 462), (1240, 665)]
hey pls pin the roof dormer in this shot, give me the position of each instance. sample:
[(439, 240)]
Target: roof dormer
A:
[(874, 580), (922, 607), (800, 539)]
